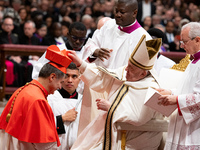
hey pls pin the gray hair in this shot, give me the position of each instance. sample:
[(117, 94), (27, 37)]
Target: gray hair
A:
[(194, 29), (156, 16), (85, 17), (48, 69), (30, 21), (160, 26)]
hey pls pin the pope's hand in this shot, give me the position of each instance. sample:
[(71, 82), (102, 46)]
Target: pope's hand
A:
[(75, 58), (70, 115), (103, 104)]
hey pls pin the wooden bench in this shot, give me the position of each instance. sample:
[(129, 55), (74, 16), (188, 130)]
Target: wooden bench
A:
[(15, 49)]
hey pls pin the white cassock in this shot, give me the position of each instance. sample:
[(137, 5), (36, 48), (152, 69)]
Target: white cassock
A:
[(60, 106), (183, 131), (122, 43), (127, 100)]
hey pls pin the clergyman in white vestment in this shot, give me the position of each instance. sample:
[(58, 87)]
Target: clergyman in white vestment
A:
[(184, 127)]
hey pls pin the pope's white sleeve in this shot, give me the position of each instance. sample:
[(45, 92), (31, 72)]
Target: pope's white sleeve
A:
[(94, 78), (38, 65)]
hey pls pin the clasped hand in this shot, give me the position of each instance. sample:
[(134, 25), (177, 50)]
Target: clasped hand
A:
[(166, 98)]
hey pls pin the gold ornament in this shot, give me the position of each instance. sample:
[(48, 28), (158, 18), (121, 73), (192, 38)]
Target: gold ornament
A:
[(182, 65), (8, 117)]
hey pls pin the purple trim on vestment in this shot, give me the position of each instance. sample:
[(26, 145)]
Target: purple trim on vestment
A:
[(131, 28), (196, 57)]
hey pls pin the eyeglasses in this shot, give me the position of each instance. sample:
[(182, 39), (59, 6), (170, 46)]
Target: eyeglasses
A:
[(185, 42), (75, 38), (5, 24)]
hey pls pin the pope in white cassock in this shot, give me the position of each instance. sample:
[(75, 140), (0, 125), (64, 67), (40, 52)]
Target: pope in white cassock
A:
[(184, 127), (126, 87), (109, 47)]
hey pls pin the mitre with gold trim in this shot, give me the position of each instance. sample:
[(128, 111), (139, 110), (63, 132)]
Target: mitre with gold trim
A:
[(145, 53)]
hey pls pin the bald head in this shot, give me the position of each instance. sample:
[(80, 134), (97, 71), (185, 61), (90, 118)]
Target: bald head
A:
[(102, 21)]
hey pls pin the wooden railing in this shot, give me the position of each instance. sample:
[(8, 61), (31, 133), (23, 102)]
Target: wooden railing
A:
[(13, 49), (10, 49), (175, 56)]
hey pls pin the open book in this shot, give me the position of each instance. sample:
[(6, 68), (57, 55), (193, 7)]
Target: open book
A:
[(152, 101)]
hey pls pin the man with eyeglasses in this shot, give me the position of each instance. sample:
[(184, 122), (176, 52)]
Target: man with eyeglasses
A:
[(184, 127), (76, 38), (185, 42), (7, 37), (14, 76)]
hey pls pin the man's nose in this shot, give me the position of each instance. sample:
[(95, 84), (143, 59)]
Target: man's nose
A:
[(69, 79), (78, 41), (118, 14)]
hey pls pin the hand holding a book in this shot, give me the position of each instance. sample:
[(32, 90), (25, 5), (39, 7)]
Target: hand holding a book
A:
[(164, 91), (161, 100), (166, 100)]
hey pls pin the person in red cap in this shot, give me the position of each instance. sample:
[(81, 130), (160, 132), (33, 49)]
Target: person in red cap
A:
[(27, 121)]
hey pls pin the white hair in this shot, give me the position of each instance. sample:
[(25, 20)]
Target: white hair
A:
[(194, 29), (85, 17)]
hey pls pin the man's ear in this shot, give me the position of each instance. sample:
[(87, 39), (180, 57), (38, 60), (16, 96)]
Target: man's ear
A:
[(197, 39), (52, 77), (144, 74), (135, 13)]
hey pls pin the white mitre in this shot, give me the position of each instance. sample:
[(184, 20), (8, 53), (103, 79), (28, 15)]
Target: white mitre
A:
[(145, 53)]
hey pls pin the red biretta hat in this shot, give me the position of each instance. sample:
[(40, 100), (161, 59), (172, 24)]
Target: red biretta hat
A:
[(58, 59)]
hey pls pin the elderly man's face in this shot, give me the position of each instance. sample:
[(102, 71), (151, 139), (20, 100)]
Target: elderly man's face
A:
[(188, 44), (134, 73), (29, 29)]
